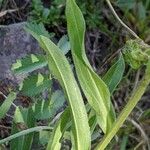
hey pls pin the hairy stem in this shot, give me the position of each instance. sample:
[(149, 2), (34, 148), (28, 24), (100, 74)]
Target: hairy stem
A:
[(133, 100), (121, 22)]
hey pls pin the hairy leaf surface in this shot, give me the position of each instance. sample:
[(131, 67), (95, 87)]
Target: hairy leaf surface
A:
[(60, 68), (93, 87)]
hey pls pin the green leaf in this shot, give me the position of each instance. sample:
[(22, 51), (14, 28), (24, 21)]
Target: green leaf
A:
[(39, 29), (28, 139), (64, 44), (61, 69), (6, 104), (46, 109), (35, 84), (28, 64), (114, 75), (141, 11), (44, 137), (24, 117), (92, 85), (19, 119), (59, 129), (126, 4)]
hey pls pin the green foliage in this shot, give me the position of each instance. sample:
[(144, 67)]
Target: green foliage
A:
[(49, 15), (45, 109), (55, 140), (114, 74), (78, 121), (137, 12), (99, 98), (64, 44), (136, 53), (1, 1), (6, 104), (35, 84), (63, 73), (126, 4), (53, 15), (133, 100), (33, 62), (29, 64), (39, 29), (24, 118)]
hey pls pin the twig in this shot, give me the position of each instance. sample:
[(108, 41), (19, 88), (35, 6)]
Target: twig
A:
[(121, 22), (4, 127), (3, 13), (143, 134), (136, 148)]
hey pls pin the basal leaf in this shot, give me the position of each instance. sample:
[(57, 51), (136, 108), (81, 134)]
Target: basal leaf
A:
[(114, 74), (61, 69), (35, 84), (93, 87), (64, 44), (28, 64), (39, 29), (6, 104), (59, 129), (18, 119), (23, 118), (46, 109)]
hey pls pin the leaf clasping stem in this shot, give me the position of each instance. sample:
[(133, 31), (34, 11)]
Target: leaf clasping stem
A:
[(133, 100)]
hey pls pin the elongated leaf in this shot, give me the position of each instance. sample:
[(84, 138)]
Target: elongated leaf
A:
[(19, 119), (24, 117), (54, 142), (60, 68), (39, 29), (114, 74), (6, 104), (35, 84), (64, 44), (93, 87), (28, 139), (28, 64), (126, 4), (46, 109)]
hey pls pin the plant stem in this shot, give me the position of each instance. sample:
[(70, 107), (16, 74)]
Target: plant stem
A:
[(121, 22), (133, 100), (24, 132)]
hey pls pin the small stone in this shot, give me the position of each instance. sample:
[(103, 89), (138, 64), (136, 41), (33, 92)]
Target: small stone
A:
[(15, 43)]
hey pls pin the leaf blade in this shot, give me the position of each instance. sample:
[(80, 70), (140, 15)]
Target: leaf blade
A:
[(62, 71), (6, 104), (114, 75), (54, 142), (92, 85)]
